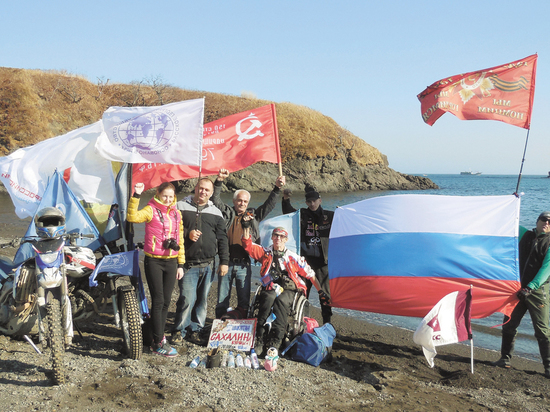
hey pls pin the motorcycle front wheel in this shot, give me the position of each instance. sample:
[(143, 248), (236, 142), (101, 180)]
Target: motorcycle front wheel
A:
[(130, 322), (56, 340)]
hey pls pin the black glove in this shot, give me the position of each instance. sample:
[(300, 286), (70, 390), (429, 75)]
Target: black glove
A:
[(246, 223), (324, 299), (523, 294)]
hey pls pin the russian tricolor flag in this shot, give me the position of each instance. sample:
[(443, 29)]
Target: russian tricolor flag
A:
[(401, 254)]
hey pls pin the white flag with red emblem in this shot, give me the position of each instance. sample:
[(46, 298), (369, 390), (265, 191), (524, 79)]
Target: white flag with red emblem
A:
[(447, 322)]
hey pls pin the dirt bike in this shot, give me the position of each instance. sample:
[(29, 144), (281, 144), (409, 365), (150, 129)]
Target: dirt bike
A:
[(119, 289), (47, 292), (34, 298)]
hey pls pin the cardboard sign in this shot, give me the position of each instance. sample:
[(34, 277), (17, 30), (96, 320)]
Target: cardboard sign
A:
[(232, 334)]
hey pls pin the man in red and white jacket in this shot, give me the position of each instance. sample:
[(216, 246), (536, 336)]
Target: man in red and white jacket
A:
[(282, 276)]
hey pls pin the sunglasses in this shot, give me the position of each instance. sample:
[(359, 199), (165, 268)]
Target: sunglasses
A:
[(281, 236), (545, 219)]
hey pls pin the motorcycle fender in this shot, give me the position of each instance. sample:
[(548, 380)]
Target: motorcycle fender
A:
[(50, 278)]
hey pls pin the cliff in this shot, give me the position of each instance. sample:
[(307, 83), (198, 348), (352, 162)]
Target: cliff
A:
[(37, 105)]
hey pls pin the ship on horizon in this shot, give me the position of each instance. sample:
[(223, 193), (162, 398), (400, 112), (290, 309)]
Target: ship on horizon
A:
[(469, 172)]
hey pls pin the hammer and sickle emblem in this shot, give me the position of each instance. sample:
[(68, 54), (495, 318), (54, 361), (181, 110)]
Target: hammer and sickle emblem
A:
[(247, 134)]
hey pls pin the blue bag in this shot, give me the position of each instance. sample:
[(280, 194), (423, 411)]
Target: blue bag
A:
[(312, 348)]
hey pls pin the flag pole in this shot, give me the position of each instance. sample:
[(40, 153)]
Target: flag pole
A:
[(471, 337), (522, 161), (472, 354), (198, 213), (278, 146)]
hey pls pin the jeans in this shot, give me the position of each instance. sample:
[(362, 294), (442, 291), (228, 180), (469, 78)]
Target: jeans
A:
[(191, 305), (242, 273)]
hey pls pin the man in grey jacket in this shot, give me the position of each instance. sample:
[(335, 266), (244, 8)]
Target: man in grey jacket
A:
[(240, 269)]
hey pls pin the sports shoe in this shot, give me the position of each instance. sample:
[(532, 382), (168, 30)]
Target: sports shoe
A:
[(177, 338), (164, 349), (502, 363)]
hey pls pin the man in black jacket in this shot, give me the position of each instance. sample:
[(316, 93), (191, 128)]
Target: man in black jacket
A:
[(205, 237), (315, 224), (240, 269), (534, 272)]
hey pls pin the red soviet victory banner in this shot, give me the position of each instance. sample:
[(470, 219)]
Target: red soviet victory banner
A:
[(503, 93), (233, 142)]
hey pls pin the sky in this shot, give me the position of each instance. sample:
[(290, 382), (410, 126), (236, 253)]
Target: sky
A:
[(362, 63)]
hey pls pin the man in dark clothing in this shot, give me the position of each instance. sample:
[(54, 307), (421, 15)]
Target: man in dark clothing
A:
[(240, 268), (205, 237), (315, 224), (534, 269)]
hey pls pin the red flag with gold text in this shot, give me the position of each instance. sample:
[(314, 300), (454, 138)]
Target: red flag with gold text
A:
[(504, 93), (233, 142)]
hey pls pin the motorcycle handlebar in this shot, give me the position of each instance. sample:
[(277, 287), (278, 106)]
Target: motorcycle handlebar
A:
[(80, 236), (70, 236)]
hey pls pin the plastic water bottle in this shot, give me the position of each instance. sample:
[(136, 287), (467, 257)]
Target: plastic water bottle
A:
[(270, 320), (239, 360), (195, 362), (230, 360), (278, 289), (247, 362), (254, 359), (202, 364), (223, 364)]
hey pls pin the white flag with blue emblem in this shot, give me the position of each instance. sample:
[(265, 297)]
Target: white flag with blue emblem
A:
[(291, 223), (156, 134)]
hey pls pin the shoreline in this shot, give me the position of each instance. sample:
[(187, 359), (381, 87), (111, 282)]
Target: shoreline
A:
[(374, 367)]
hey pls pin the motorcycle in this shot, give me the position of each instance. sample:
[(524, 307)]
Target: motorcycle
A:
[(119, 289), (34, 294), (45, 293)]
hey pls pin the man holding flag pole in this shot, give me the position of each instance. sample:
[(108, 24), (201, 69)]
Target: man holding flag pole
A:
[(239, 261), (534, 267)]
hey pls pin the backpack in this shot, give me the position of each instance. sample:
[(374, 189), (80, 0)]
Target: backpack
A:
[(312, 348)]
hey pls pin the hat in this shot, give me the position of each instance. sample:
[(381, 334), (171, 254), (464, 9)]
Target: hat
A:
[(312, 195), (545, 215), (279, 231)]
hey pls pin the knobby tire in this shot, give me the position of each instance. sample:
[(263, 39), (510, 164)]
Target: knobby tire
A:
[(56, 340), (130, 323)]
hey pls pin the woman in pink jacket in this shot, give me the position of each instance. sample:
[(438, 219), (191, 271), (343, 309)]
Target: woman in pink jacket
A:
[(164, 254)]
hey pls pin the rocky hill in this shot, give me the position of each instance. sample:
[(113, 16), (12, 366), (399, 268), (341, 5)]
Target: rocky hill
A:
[(37, 105)]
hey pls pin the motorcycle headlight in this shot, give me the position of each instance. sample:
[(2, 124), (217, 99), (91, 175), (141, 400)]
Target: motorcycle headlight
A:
[(49, 257)]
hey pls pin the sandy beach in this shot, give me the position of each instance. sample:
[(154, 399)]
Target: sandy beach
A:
[(373, 368)]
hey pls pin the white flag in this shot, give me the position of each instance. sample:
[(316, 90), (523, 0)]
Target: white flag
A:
[(291, 222), (25, 172), (157, 134), (447, 322)]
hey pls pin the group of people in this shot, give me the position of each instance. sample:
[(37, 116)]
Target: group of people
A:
[(183, 239)]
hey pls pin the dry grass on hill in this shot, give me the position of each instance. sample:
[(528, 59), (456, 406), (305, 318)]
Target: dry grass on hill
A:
[(36, 105)]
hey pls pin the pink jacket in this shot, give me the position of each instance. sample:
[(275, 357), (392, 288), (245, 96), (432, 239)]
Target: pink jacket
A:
[(161, 222)]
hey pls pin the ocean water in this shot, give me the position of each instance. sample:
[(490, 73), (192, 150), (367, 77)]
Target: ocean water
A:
[(534, 192)]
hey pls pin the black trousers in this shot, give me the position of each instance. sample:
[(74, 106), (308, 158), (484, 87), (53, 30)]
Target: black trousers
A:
[(161, 279), (321, 273), (282, 306)]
